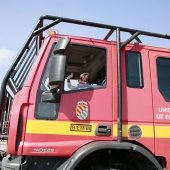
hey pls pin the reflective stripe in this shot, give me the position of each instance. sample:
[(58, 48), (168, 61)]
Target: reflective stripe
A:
[(80, 129), (162, 131), (59, 128), (147, 131)]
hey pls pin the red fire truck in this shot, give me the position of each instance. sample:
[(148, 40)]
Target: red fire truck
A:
[(120, 121)]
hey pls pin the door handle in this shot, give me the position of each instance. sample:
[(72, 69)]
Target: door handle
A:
[(103, 130)]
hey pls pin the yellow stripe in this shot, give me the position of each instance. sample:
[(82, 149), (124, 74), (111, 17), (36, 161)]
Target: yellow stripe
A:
[(56, 127), (63, 128), (162, 131), (147, 131)]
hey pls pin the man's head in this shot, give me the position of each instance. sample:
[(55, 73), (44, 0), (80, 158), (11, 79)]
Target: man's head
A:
[(84, 78)]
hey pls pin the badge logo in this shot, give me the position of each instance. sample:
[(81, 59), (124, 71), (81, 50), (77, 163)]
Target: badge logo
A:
[(82, 110)]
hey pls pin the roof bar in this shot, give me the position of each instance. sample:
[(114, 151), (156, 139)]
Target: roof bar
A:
[(129, 40), (93, 24), (109, 34)]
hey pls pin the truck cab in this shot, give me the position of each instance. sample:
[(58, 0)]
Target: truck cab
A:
[(117, 121)]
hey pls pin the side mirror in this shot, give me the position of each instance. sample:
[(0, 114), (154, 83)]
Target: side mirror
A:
[(57, 70), (61, 45)]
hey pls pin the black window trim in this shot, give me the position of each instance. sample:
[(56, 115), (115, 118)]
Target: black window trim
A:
[(141, 70), (98, 88), (158, 85)]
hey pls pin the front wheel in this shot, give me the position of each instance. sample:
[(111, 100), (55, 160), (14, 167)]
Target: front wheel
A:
[(115, 160)]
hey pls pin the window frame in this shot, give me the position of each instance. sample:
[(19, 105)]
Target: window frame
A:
[(106, 72), (140, 70), (160, 90)]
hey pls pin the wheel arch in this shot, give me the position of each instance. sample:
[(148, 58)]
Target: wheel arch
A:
[(85, 150)]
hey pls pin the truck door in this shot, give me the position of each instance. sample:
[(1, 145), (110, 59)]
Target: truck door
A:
[(137, 110), (83, 113), (160, 75), (83, 105)]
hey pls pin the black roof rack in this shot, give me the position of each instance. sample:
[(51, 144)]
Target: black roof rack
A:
[(98, 25)]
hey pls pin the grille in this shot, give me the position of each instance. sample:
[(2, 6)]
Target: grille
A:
[(135, 132)]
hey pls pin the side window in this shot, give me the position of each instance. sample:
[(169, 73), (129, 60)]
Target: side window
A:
[(45, 110), (163, 72), (86, 68), (134, 75)]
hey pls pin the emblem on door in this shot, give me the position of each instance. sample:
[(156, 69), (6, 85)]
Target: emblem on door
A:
[(82, 110)]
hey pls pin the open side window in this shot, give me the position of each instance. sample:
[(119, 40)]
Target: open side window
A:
[(85, 59)]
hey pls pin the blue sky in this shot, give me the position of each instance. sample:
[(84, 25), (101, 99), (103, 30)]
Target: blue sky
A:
[(18, 18)]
